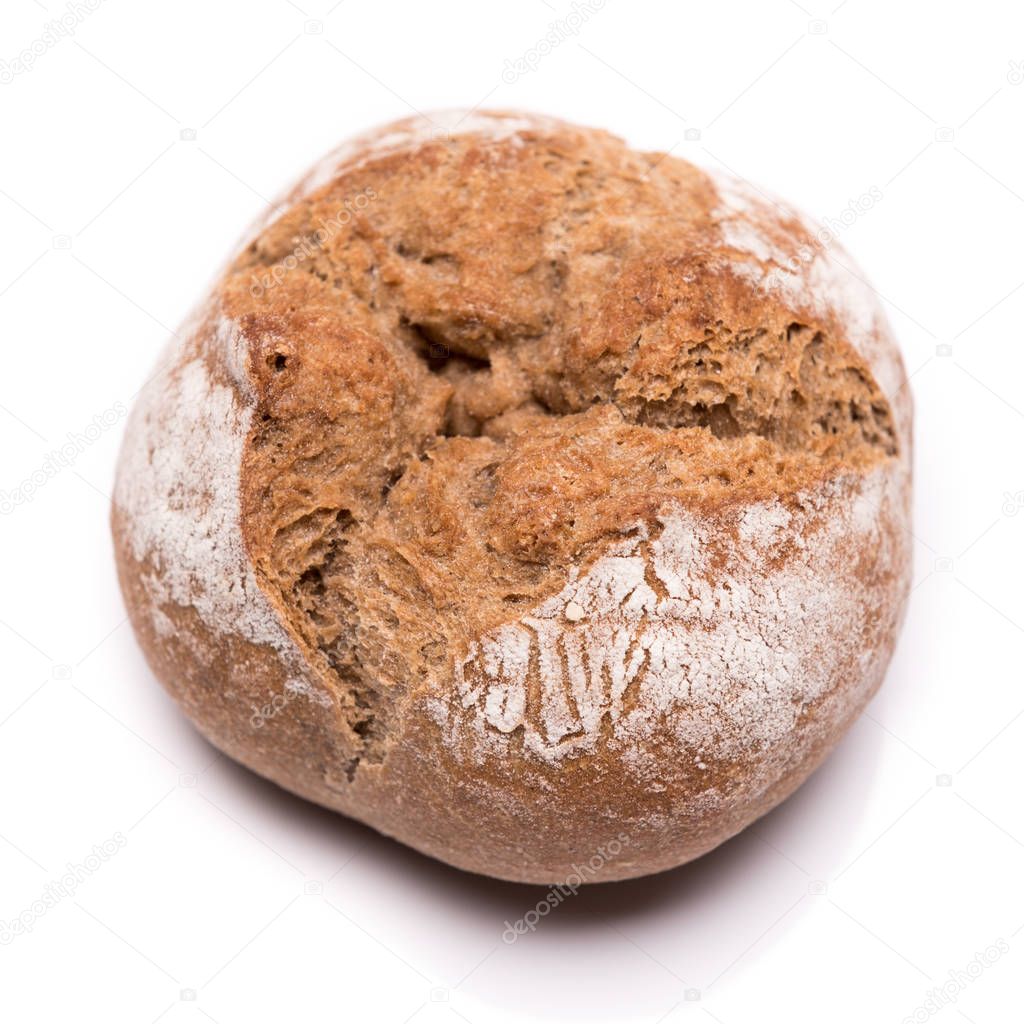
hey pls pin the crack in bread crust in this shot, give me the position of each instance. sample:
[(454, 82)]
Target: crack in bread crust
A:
[(560, 346)]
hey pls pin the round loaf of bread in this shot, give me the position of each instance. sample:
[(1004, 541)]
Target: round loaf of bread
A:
[(539, 502)]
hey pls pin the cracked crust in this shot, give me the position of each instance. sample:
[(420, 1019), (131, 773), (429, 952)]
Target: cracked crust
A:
[(515, 491)]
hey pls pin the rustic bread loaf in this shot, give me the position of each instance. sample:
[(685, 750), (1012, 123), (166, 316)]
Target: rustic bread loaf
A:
[(538, 502)]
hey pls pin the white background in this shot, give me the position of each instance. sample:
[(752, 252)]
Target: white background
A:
[(230, 901)]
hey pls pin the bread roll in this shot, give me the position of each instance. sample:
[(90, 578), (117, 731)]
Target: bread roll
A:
[(541, 503)]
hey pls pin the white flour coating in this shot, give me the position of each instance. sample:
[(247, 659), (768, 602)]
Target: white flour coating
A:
[(178, 485), (807, 275), (722, 655)]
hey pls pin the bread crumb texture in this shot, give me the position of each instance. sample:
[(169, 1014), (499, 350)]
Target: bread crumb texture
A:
[(546, 489)]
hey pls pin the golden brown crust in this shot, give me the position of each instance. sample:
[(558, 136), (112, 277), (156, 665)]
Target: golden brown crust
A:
[(533, 492)]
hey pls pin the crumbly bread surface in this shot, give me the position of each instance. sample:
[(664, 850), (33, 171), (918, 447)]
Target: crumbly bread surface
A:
[(515, 491)]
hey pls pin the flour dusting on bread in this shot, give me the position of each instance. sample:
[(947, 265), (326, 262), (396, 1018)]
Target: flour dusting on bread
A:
[(744, 633), (177, 486), (811, 273)]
